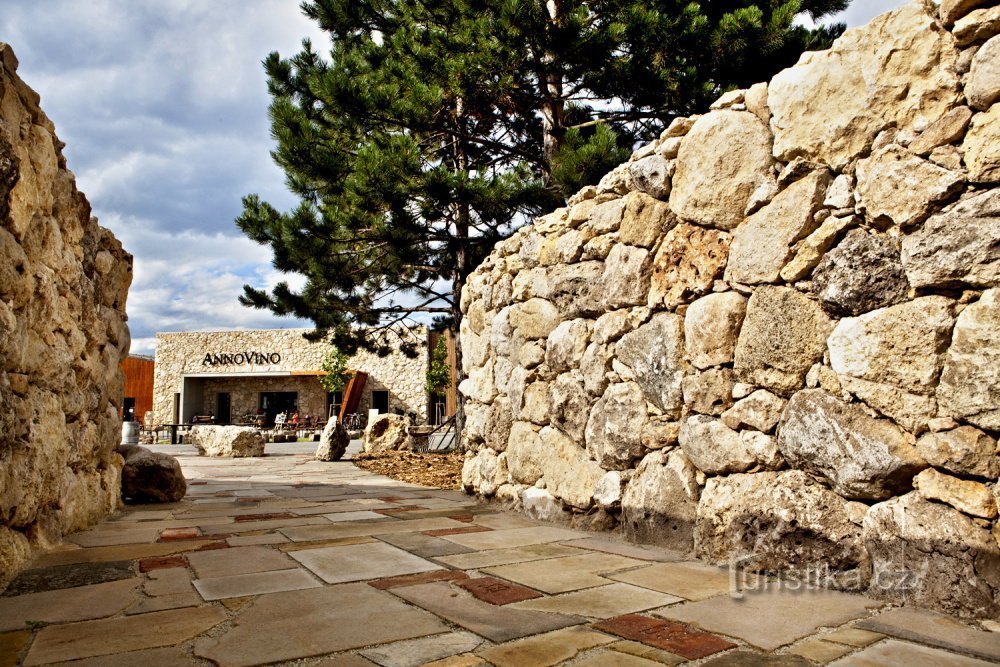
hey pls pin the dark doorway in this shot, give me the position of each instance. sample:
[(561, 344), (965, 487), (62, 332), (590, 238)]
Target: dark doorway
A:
[(223, 408), (334, 399), (128, 409), (275, 402), (380, 401), (177, 408)]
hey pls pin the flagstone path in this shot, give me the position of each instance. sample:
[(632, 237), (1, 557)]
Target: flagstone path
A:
[(287, 560)]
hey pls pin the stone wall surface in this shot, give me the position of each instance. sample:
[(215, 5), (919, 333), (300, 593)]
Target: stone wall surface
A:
[(63, 335), (773, 336)]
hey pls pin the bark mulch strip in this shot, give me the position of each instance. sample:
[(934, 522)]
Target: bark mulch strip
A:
[(162, 563), (441, 532), (414, 579), (497, 591), (667, 635), (264, 517), (437, 469)]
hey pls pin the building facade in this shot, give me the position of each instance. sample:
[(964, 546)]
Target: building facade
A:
[(235, 376), (138, 370)]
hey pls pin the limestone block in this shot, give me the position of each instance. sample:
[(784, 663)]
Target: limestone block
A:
[(651, 175), (970, 381), (607, 216), (981, 84), (660, 433), (626, 277), (841, 193), (709, 392), (756, 100), (480, 385), (982, 146), (645, 220), (595, 366), (948, 129), (608, 491), (764, 449), (759, 411), (228, 441), (763, 244), (575, 288), (931, 555), (386, 433), (539, 504), (899, 70), (686, 265), (617, 181), (333, 442), (535, 406), (660, 501), (655, 353), (964, 451), (569, 474), (523, 450), (977, 26), (534, 319), (570, 405), (862, 457), (810, 252), (953, 10), (711, 328), (614, 426), (566, 344), (964, 495), (862, 273), (713, 447), (779, 521), (783, 335), (149, 477), (897, 185)]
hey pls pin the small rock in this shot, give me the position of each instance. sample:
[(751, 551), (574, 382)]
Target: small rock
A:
[(977, 26), (539, 504), (711, 328), (688, 262), (760, 411), (151, 477), (898, 185), (840, 194), (982, 146), (626, 277), (812, 249), (964, 495), (862, 273), (655, 353), (614, 427), (645, 221), (981, 87), (964, 451), (946, 130), (652, 175)]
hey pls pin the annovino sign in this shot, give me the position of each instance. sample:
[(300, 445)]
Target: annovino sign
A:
[(240, 358)]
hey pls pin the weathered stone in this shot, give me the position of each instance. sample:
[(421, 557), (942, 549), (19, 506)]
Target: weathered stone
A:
[(964, 451), (953, 10), (964, 495), (713, 447), (626, 277), (535, 404), (978, 26), (862, 273), (608, 491), (909, 410), (722, 160), (862, 457), (540, 504), (946, 130), (930, 555), (949, 157), (498, 421), (783, 335), (575, 288), (149, 477), (594, 367), (780, 521), (981, 87), (660, 433), (333, 442), (760, 411), (899, 70), (655, 353), (566, 345), (660, 501), (229, 441), (708, 392), (688, 262), (982, 146), (529, 284), (652, 175), (970, 381), (958, 246), (763, 244), (764, 449), (570, 406), (646, 220), (618, 181), (840, 193), (522, 453), (480, 385), (615, 423), (711, 328), (756, 100), (534, 319), (388, 433), (569, 474), (607, 217), (896, 184), (810, 252), (479, 471)]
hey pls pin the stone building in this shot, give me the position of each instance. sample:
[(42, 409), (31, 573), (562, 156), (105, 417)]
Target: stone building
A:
[(234, 374)]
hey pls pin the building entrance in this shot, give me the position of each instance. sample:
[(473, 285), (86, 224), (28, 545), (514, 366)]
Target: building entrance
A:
[(276, 402)]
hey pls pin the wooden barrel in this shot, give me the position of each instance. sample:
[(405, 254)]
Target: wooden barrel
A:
[(130, 433)]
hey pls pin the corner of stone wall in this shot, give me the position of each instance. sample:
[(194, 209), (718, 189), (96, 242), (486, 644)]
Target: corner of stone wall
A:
[(772, 337)]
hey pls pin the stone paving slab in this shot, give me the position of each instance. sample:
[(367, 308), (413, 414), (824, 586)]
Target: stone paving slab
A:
[(514, 537), (237, 560), (361, 528), (930, 627), (164, 602), (155, 657), (497, 591), (602, 601), (359, 562), (117, 553), (68, 576), (11, 646), (254, 583), (612, 546), (678, 638), (414, 652), (424, 546), (647, 652), (609, 658), (68, 604), (895, 652), (692, 581), (560, 575), (546, 649), (494, 557)]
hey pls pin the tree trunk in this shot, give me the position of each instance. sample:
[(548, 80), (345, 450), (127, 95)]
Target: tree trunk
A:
[(553, 106)]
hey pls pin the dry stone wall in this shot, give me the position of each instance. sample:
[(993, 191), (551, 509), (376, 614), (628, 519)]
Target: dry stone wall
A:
[(772, 337), (63, 283)]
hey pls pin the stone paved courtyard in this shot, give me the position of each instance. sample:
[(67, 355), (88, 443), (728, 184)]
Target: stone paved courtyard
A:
[(286, 560)]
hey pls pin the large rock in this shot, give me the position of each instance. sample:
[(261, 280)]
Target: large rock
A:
[(688, 262), (655, 353), (227, 441), (333, 442), (953, 10), (614, 427), (548, 454), (151, 477), (957, 247), (949, 129), (523, 451), (897, 185), (723, 158), (862, 457), (780, 522), (982, 146), (645, 220), (970, 381), (651, 175), (626, 277), (965, 495), (711, 328), (763, 244), (963, 451), (981, 87), (575, 288), (713, 447), (566, 344), (977, 26), (783, 335), (661, 500), (862, 273), (533, 319), (388, 433), (899, 70), (499, 418), (570, 404), (709, 392), (930, 555)]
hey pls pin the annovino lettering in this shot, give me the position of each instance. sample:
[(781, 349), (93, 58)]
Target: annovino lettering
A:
[(240, 358)]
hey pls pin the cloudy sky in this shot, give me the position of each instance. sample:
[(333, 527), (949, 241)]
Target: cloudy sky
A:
[(163, 107)]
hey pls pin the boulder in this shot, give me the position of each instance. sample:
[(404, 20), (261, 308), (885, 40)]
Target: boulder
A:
[(480, 385), (709, 392), (723, 158), (548, 454), (626, 277), (151, 477), (595, 366), (614, 427), (228, 441), (970, 381), (687, 264), (931, 555), (897, 185), (783, 335), (982, 146), (759, 411), (607, 216), (899, 70), (566, 344), (957, 247), (575, 288), (661, 500), (964, 451), (780, 522), (388, 433), (333, 442), (711, 328), (655, 353), (966, 496), (981, 87), (651, 175), (534, 318), (862, 273), (499, 418), (713, 447), (763, 244), (862, 457), (479, 473), (523, 451), (569, 404)]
